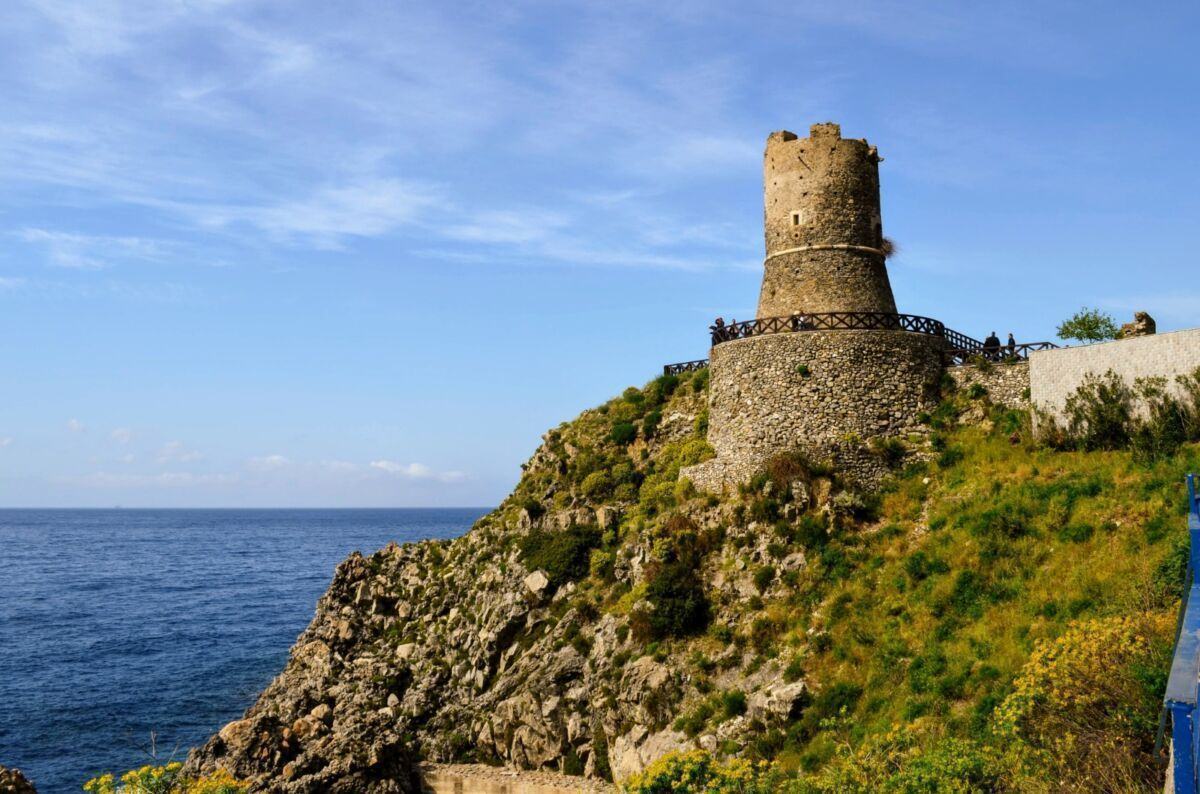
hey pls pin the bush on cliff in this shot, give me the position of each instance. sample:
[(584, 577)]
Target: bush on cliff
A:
[(698, 771), (564, 555), (166, 779), (1085, 707)]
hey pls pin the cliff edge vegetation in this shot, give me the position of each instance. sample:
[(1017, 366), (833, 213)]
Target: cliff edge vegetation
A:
[(997, 618)]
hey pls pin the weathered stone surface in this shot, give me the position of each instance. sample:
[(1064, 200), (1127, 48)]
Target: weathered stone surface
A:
[(823, 227), (536, 582), (853, 386), (13, 782), (1007, 384), (777, 703), (1143, 325)]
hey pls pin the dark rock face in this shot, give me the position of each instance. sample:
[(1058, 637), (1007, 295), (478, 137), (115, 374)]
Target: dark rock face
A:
[(13, 782)]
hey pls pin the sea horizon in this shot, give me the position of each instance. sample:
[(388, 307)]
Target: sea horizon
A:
[(122, 621)]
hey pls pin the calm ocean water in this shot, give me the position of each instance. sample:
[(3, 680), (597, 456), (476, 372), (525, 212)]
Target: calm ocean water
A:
[(116, 623)]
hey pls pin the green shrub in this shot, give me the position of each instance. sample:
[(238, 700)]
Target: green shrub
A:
[(650, 423), (763, 577), (733, 703), (700, 380), (1076, 533), (678, 603), (661, 388), (166, 779), (597, 485), (698, 772), (535, 508), (890, 450), (1086, 704), (920, 565), (812, 531), (622, 434), (1089, 325), (1099, 412), (625, 492), (564, 556)]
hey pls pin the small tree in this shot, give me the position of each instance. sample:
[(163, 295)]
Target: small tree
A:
[(1089, 325)]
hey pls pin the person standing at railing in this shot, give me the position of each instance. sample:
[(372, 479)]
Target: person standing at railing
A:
[(718, 330), (1012, 345), (991, 347)]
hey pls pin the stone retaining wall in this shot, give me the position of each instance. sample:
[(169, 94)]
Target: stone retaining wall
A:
[(1006, 384), (824, 392)]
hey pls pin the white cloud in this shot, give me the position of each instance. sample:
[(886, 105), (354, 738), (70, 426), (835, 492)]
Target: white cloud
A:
[(122, 435), (366, 208), (416, 471), (178, 452), (269, 463), (91, 252), (75, 426), (5, 441)]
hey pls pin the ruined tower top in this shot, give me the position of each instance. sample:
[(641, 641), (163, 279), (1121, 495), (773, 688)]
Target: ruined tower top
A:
[(823, 227)]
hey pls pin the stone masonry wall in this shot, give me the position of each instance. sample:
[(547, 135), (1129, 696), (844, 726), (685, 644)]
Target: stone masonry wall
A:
[(809, 391), (1006, 384), (1055, 374), (822, 225)]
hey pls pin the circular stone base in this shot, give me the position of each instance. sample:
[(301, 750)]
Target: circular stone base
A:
[(825, 393)]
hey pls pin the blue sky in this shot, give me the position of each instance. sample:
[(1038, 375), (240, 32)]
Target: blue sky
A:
[(365, 253)]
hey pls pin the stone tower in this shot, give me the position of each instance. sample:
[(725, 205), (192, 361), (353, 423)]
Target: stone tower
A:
[(823, 227), (825, 386)]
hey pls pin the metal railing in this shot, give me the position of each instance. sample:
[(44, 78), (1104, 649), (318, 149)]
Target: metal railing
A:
[(827, 321), (686, 366), (1183, 685), (960, 348), (959, 341), (974, 353)]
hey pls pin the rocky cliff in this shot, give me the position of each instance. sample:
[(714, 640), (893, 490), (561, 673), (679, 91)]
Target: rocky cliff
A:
[(531, 640), (607, 613)]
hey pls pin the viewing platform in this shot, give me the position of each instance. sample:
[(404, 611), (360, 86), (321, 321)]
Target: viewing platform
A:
[(960, 348)]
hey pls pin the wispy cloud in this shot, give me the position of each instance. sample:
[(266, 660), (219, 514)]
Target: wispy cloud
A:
[(76, 426), (5, 441), (269, 463), (363, 209), (122, 435), (178, 452), (416, 471), (65, 249)]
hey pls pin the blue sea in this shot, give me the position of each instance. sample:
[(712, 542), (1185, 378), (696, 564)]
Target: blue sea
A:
[(118, 623)]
